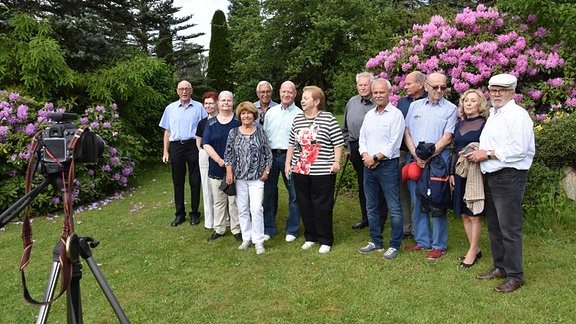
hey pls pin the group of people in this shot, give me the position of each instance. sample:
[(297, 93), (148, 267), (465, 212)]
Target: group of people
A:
[(407, 158)]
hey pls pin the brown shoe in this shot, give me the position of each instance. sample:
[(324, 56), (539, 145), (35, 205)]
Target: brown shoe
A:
[(492, 274), (510, 285)]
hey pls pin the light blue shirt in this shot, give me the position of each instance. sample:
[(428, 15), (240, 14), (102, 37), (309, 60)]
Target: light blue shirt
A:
[(182, 121), (428, 122), (278, 123), (382, 132), (509, 132)]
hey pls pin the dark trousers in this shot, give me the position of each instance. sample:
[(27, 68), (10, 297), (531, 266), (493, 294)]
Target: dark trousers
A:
[(356, 160), (315, 200), (504, 191), (182, 155)]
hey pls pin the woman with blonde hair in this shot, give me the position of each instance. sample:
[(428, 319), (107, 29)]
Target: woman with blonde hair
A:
[(248, 160), (312, 161), (473, 110)]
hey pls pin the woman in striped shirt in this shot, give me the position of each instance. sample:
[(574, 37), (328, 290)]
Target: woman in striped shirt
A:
[(312, 161)]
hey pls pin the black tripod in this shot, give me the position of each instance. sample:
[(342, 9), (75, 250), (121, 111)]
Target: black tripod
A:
[(76, 247)]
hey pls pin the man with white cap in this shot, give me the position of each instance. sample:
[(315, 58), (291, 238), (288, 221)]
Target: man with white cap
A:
[(505, 154)]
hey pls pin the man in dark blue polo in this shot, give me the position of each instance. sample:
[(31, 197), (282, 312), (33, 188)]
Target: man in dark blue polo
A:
[(179, 121), (414, 86)]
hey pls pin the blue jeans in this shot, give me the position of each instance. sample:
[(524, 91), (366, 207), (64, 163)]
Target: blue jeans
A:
[(271, 199), (386, 177), (428, 235)]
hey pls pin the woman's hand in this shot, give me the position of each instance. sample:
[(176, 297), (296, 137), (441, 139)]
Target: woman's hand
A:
[(335, 167), (229, 178)]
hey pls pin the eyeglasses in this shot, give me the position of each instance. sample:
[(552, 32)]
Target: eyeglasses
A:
[(498, 91), (265, 92), (436, 87), (184, 89)]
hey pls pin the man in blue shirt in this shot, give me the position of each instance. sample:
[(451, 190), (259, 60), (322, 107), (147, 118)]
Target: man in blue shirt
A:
[(414, 86), (179, 121), (277, 125), (430, 120), (264, 93)]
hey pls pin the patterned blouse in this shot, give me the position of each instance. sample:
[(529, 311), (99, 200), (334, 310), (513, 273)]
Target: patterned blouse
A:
[(248, 154), (314, 141)]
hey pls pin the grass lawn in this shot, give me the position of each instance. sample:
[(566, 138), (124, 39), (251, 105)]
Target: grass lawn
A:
[(162, 274)]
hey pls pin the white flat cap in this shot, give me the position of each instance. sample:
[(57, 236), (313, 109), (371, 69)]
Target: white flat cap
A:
[(503, 80)]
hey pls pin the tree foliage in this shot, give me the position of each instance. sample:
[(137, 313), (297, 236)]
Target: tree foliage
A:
[(219, 57), (324, 43)]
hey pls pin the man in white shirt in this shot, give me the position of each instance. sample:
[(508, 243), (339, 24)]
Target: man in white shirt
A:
[(379, 145), (505, 154)]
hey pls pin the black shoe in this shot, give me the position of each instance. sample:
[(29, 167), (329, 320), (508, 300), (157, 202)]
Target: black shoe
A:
[(360, 225), (177, 221), (194, 220), (467, 265), (478, 256), (408, 236), (238, 237), (214, 236)]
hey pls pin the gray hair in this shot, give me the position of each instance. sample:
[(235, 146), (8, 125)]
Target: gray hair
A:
[(263, 83), (365, 75), (226, 93), (379, 80)]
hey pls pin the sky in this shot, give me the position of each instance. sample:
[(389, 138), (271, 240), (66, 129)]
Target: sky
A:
[(203, 10)]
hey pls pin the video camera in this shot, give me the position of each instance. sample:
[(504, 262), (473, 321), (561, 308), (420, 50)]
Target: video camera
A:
[(54, 143)]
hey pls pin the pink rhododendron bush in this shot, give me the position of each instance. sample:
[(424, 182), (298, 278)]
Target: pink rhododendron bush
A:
[(21, 117), (477, 45)]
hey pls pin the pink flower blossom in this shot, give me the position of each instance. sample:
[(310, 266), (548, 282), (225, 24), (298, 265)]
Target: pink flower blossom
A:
[(556, 82)]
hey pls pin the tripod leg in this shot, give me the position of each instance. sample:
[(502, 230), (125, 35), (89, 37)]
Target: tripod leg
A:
[(49, 293), (107, 290)]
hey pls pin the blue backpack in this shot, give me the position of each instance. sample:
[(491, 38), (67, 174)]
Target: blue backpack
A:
[(433, 187)]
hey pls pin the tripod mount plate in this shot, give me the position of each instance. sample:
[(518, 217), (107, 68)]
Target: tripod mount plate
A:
[(73, 247)]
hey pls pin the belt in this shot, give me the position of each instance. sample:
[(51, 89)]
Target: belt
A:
[(504, 170), (278, 151), (191, 140)]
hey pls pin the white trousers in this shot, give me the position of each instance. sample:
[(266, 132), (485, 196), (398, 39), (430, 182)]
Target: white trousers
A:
[(224, 205), (206, 190), (249, 201)]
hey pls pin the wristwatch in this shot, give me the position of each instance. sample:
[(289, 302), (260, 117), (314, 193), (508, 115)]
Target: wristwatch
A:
[(489, 154), (376, 159)]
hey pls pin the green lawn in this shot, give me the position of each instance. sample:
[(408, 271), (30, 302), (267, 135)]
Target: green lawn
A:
[(162, 274)]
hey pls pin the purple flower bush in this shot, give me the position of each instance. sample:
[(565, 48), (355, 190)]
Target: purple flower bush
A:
[(21, 118), (476, 45)]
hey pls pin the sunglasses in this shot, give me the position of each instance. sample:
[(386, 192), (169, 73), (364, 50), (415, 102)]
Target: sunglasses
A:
[(435, 88)]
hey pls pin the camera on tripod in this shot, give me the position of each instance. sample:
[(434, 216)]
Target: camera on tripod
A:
[(55, 147)]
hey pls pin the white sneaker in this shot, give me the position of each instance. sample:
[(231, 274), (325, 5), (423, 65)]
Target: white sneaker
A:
[(260, 248), (307, 245), (266, 237), (324, 249), (290, 238), (245, 245)]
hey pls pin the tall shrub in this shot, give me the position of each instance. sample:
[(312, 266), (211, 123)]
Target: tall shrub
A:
[(478, 44)]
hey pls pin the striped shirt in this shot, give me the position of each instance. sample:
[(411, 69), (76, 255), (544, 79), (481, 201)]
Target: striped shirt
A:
[(314, 141)]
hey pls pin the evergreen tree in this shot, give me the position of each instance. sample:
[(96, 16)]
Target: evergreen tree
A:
[(219, 57)]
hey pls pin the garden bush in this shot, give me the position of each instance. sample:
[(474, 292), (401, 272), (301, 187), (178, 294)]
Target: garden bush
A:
[(21, 117), (476, 45)]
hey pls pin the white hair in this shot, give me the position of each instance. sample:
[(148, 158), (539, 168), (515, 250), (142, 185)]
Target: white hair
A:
[(379, 80), (263, 83), (365, 75)]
